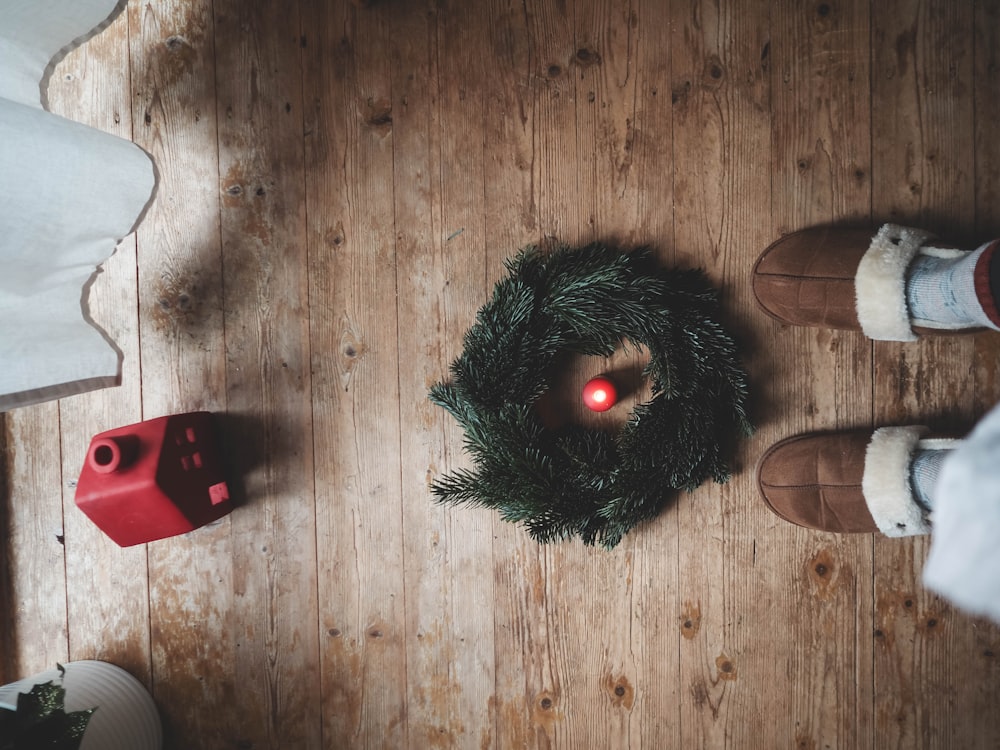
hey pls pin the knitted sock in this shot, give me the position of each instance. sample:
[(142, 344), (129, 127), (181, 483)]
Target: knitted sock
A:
[(924, 469), (944, 290)]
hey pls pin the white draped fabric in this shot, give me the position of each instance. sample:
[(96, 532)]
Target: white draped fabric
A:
[(964, 562), (68, 195)]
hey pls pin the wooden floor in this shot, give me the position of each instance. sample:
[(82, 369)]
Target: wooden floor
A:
[(339, 186)]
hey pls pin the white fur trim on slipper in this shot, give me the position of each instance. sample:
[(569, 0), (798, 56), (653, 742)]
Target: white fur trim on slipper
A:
[(886, 482), (880, 282)]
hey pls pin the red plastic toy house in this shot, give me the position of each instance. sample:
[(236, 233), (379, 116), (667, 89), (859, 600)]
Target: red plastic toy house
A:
[(154, 479)]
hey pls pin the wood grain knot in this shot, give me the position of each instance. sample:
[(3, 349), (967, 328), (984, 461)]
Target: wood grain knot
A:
[(587, 57), (335, 237), (379, 116), (545, 712), (690, 620), (714, 73), (726, 667), (680, 93), (932, 625), (176, 304), (825, 574), (620, 691), (175, 42), (353, 349)]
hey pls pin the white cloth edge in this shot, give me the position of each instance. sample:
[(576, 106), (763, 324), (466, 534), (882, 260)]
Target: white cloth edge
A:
[(963, 565), (51, 346)]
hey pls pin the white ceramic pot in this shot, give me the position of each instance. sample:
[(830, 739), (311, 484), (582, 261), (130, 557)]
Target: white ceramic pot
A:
[(126, 717)]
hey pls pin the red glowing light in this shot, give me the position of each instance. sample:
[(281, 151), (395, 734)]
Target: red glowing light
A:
[(599, 394)]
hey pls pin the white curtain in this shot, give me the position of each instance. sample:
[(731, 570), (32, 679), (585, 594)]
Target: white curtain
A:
[(68, 195)]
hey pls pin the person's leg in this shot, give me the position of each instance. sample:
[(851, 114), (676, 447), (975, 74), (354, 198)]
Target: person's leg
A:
[(925, 468), (955, 292), (964, 561)]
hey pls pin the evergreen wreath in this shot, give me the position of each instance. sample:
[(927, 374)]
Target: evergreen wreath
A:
[(586, 482)]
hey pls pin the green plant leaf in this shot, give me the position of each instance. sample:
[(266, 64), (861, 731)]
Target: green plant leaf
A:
[(40, 721)]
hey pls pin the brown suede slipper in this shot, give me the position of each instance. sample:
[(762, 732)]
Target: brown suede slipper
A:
[(815, 481), (847, 482), (851, 279)]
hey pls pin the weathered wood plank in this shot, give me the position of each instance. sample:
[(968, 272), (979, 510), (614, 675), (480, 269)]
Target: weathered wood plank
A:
[(35, 558), (923, 175), (553, 713), (984, 639), (605, 64), (553, 83), (8, 614), (438, 84), (699, 117), (260, 115), (183, 357), (986, 76), (525, 708), (819, 379), (608, 670), (349, 147), (600, 670), (656, 604), (722, 207), (103, 592), (421, 128)]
